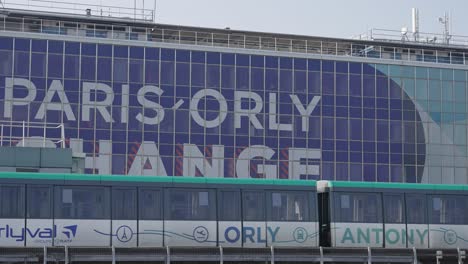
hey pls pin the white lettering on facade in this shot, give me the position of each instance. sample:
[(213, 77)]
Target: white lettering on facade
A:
[(148, 154), (222, 112), (56, 87), (11, 101), (243, 161), (194, 159), (250, 113), (99, 105)]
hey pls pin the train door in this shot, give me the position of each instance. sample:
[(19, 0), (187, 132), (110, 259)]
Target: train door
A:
[(124, 217), (254, 232), (190, 217), (150, 217), (229, 218), (12, 215), (291, 219), (39, 222), (417, 227), (394, 221)]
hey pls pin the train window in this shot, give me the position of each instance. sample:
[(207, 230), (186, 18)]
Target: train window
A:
[(289, 206), (394, 209), (253, 206), (446, 209), (88, 202), (229, 206), (150, 204), (415, 209), (358, 207), (39, 203), (11, 201), (190, 204), (124, 204)]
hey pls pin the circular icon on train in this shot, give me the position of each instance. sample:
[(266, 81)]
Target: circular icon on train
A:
[(200, 234), (124, 233), (300, 235), (450, 237)]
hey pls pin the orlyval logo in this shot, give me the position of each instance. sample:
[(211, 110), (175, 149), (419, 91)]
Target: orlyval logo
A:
[(70, 231), (44, 233)]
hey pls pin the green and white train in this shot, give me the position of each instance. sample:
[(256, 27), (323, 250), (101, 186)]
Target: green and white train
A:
[(39, 210)]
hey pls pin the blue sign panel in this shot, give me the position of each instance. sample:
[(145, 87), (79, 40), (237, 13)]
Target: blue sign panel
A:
[(158, 111)]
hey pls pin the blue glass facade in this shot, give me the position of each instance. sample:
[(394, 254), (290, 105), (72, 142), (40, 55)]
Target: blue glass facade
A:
[(169, 111)]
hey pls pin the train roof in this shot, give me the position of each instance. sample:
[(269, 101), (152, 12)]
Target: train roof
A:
[(151, 179), (388, 185)]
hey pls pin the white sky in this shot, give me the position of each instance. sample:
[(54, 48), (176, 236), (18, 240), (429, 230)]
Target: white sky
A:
[(332, 18)]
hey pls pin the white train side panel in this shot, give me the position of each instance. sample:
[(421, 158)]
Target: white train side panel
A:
[(40, 232), (89, 233), (292, 234), (448, 236), (124, 233), (357, 234), (190, 233), (150, 233), (12, 232)]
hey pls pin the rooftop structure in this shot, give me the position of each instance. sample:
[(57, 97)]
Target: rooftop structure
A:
[(137, 25)]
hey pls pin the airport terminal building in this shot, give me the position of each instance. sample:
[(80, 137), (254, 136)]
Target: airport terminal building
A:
[(140, 98)]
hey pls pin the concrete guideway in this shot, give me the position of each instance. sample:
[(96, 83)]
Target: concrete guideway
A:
[(219, 254)]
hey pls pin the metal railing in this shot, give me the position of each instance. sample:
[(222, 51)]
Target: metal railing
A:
[(80, 8), (424, 38), (378, 50), (35, 134)]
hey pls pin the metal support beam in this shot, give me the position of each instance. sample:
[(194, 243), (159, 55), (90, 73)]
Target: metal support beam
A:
[(66, 254), (439, 256), (272, 254), (24, 129), (461, 255), (45, 255), (113, 254), (415, 256), (221, 256), (369, 256), (168, 255), (321, 255)]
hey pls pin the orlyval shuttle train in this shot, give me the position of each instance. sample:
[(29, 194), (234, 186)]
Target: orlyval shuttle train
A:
[(39, 210)]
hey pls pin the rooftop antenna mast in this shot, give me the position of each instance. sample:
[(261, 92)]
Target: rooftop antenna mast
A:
[(415, 23), (445, 21), (154, 11)]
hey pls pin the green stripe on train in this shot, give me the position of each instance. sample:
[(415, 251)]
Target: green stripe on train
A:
[(392, 185), (151, 179)]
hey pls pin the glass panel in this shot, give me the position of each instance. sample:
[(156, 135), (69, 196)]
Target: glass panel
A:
[(416, 209), (190, 205), (11, 202), (124, 204), (253, 206), (394, 210), (149, 204), (39, 203), (82, 202), (229, 206), (448, 209), (358, 207), (289, 206)]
